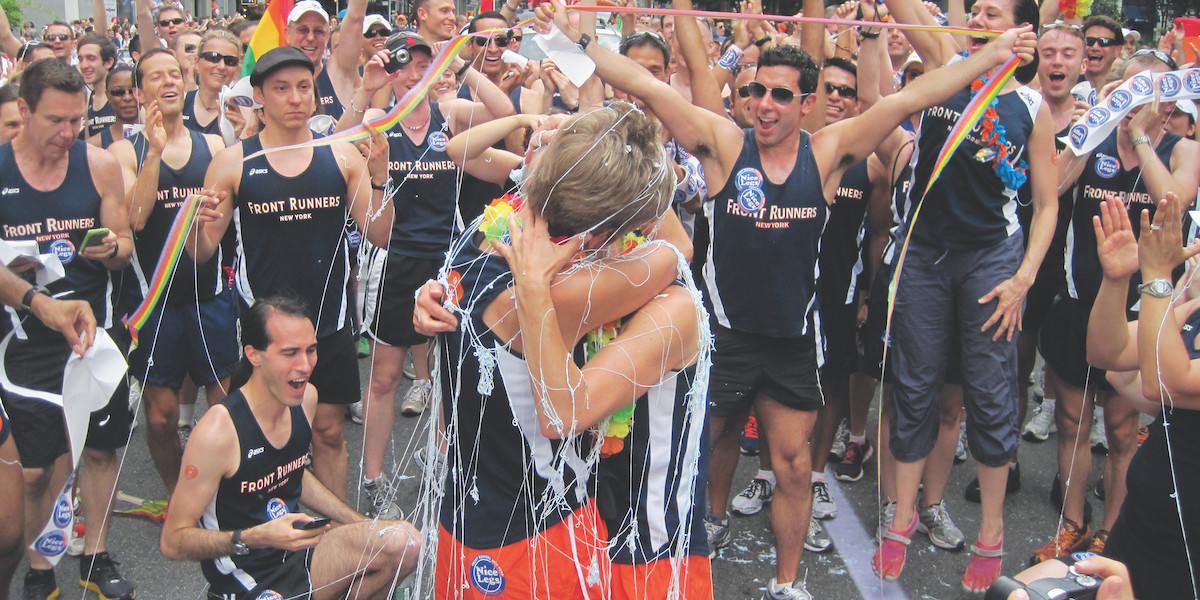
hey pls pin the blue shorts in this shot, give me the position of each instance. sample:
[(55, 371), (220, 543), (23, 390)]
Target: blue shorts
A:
[(197, 340)]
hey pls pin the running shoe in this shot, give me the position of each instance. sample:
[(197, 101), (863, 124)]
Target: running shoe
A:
[(753, 498), (39, 585), (817, 540), (99, 574), (935, 522), (416, 399), (840, 438), (185, 433), (355, 412), (851, 467), (410, 371), (1070, 538), (364, 347), (1098, 438), (719, 535), (960, 452), (750, 437), (823, 506), (1041, 424), (381, 495), (1099, 540), (796, 590)]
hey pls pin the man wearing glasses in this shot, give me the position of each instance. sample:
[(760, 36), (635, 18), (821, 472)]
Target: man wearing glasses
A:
[(1103, 43), (308, 29), (61, 40), (485, 53)]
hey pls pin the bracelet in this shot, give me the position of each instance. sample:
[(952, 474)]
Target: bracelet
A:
[(760, 43), (116, 250), (27, 299), (868, 36), (1143, 139), (383, 186), (584, 40), (354, 108), (461, 70)]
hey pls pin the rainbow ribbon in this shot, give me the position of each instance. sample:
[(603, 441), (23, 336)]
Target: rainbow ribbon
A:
[(167, 261), (795, 19), (406, 104), (971, 115)]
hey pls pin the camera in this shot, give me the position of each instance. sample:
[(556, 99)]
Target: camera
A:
[(1073, 586)]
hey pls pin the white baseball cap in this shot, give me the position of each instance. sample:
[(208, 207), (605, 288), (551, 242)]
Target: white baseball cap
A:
[(1187, 107), (373, 19), (1131, 33), (306, 6)]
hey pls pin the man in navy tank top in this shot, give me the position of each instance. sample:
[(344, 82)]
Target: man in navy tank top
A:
[(54, 189), (244, 477), (770, 192), (289, 209), (193, 330)]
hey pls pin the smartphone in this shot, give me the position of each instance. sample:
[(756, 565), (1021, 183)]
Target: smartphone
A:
[(316, 523), (93, 237)]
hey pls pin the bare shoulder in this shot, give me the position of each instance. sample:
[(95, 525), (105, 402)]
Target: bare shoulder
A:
[(215, 439), (215, 143), (100, 159)]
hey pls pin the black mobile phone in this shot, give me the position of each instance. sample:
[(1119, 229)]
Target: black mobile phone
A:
[(316, 523)]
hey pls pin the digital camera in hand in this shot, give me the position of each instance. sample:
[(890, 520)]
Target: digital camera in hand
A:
[(1073, 586)]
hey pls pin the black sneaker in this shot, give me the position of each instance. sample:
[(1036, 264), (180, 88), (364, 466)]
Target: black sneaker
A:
[(851, 467), (98, 573), (39, 585), (1014, 484)]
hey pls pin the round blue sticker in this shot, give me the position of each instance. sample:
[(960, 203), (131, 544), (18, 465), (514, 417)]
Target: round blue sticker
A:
[(62, 512), (1191, 81), (438, 141), (1098, 116), (63, 249), (1078, 134), (1107, 166), (751, 199), (748, 177), (1120, 100), (353, 238), (1169, 85), (276, 508), (1140, 84), (51, 543), (1082, 556), (486, 576), (269, 595)]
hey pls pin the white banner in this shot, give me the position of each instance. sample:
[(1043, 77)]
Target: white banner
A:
[(1098, 122)]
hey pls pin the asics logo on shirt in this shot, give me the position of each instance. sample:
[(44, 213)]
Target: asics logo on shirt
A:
[(258, 172), (254, 452), (6, 191)]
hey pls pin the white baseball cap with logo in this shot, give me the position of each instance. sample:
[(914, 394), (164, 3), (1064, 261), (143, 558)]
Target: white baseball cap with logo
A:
[(374, 19), (307, 6)]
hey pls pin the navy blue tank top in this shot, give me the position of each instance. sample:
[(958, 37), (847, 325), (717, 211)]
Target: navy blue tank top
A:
[(189, 116), (98, 119), (106, 138), (425, 200), (969, 207), (290, 235), (843, 237), (266, 486), (327, 96), (57, 220), (503, 473), (752, 223), (1104, 174), (189, 283)]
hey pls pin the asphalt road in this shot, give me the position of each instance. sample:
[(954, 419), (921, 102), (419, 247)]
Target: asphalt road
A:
[(740, 572)]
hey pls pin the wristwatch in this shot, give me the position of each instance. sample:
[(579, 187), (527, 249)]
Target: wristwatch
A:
[(239, 547), (1159, 288), (1143, 139), (584, 40), (27, 299)]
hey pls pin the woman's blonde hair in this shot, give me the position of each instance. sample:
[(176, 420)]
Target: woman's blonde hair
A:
[(605, 170), (221, 34)]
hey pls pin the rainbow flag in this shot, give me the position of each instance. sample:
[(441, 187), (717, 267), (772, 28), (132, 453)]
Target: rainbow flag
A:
[(167, 261), (269, 34)]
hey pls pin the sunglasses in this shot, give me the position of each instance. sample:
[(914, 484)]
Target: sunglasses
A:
[(175, 21), (215, 57), (189, 48), (845, 91), (1105, 42), (56, 37), (780, 95), (1159, 54), (119, 92), (501, 39), (374, 33)]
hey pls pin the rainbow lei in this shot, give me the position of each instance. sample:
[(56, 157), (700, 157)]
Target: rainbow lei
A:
[(996, 141)]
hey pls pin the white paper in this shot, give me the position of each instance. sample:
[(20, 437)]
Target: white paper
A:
[(569, 57), (514, 58), (17, 255), (88, 383), (1098, 122)]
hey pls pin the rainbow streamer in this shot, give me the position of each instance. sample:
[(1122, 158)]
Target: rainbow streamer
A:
[(167, 261), (269, 34), (406, 104), (795, 19), (971, 115)]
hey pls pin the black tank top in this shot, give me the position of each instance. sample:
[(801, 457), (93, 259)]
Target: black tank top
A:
[(189, 116), (189, 284), (425, 201), (266, 486), (842, 238), (98, 120), (290, 235), (327, 95), (57, 220)]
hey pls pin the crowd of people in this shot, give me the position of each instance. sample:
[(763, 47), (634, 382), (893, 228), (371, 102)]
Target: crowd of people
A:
[(722, 237)]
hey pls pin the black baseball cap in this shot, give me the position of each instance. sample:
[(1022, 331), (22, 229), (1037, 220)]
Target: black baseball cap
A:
[(407, 40), (276, 58)]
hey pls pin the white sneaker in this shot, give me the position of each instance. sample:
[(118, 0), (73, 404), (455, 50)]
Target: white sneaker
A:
[(1098, 439), (840, 437), (817, 540), (356, 412), (797, 590), (823, 506), (381, 496), (416, 399), (887, 513), (1041, 424), (961, 452), (752, 499)]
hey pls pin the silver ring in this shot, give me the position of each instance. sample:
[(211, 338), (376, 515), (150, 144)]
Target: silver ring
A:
[(1154, 227)]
